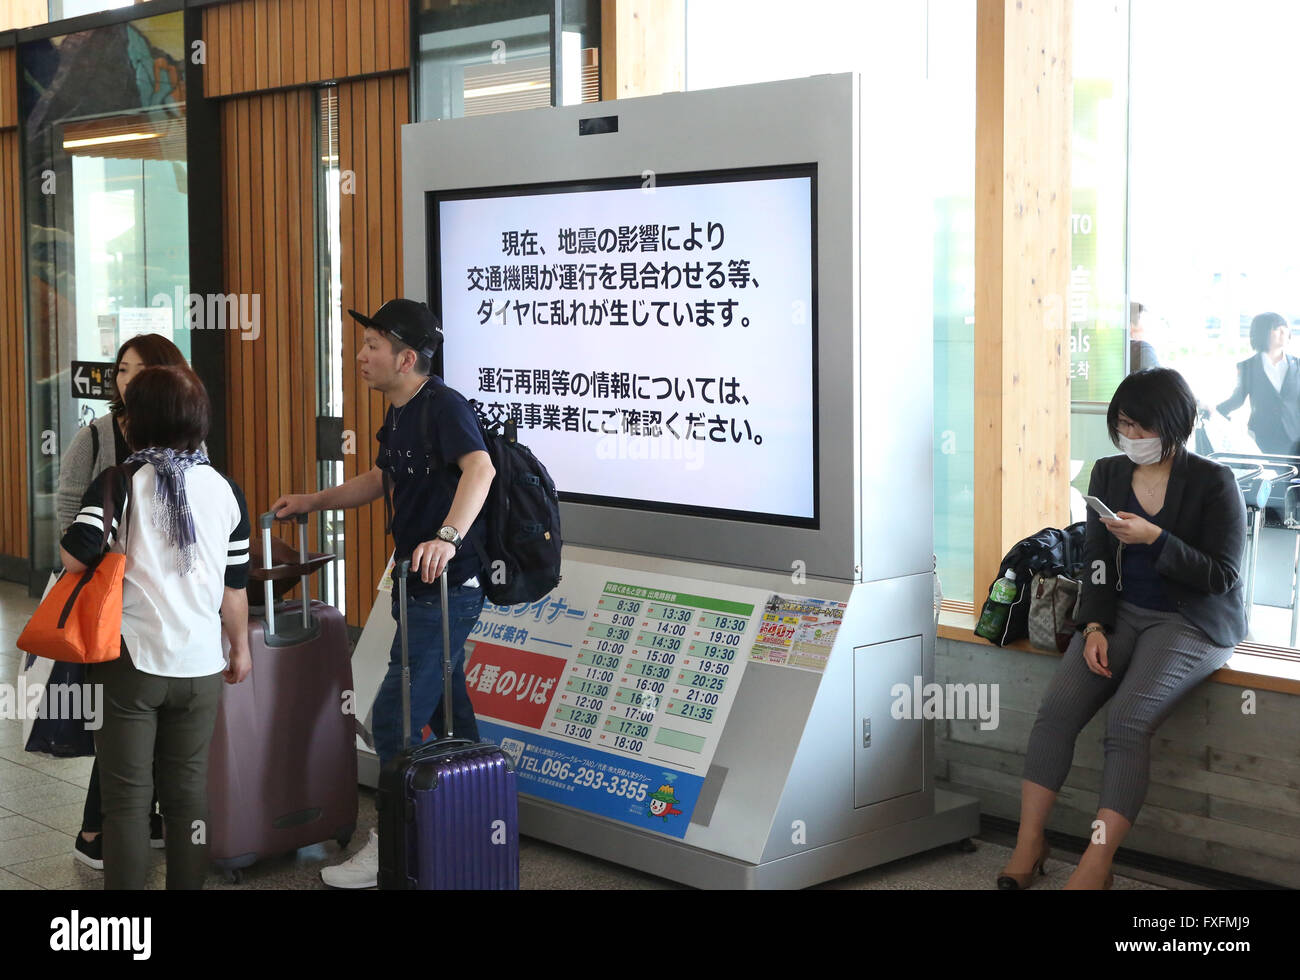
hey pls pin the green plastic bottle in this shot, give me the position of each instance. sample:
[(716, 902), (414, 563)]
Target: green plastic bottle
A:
[(993, 617)]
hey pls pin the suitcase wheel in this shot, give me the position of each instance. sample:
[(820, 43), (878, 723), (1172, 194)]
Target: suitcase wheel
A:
[(344, 840), (234, 876)]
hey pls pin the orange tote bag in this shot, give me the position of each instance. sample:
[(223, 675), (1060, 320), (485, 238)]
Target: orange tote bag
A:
[(80, 619)]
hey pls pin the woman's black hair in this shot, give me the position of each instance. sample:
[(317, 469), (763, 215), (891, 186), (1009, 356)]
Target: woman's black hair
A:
[(153, 350), (1157, 399), (1261, 327)]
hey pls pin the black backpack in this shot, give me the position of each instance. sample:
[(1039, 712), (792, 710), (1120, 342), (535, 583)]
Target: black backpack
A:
[(1051, 551), (521, 562)]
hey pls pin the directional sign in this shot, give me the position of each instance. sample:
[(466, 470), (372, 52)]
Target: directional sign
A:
[(93, 379)]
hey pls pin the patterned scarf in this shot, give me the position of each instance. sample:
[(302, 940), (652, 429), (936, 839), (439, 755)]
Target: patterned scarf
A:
[(171, 511)]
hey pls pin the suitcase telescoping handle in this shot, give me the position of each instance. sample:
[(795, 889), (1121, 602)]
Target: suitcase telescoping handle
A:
[(264, 522), (306, 575), (400, 573), (446, 656)]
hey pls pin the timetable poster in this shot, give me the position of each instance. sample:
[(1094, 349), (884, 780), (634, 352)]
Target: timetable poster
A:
[(612, 691)]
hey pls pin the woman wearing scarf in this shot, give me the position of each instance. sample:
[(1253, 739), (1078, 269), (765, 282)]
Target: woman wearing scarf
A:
[(184, 528), (95, 448)]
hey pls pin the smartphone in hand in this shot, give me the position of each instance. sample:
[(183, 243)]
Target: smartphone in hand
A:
[(1096, 504)]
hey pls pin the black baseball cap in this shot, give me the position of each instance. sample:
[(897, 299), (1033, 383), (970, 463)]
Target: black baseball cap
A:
[(414, 324)]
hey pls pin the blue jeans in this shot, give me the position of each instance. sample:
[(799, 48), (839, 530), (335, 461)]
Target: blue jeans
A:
[(424, 647)]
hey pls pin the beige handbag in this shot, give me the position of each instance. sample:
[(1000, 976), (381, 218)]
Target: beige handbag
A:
[(1053, 602)]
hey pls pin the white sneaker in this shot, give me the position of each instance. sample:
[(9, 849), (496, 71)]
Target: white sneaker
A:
[(359, 871)]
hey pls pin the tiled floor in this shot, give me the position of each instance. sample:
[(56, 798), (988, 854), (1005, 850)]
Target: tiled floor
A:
[(41, 801)]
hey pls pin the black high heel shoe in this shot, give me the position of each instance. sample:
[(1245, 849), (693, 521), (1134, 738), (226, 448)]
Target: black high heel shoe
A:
[(1009, 882)]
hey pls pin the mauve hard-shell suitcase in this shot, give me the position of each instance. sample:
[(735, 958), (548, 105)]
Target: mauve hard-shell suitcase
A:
[(448, 809), (282, 769)]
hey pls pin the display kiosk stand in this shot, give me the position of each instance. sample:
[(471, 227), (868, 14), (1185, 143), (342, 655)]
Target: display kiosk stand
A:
[(724, 687)]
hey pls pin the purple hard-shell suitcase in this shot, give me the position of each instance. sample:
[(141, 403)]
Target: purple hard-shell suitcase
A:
[(448, 809), (282, 768)]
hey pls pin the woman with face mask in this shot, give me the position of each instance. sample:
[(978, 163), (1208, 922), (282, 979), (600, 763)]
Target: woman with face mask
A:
[(1161, 609)]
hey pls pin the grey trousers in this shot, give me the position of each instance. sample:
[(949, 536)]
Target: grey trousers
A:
[(163, 725), (1155, 659)]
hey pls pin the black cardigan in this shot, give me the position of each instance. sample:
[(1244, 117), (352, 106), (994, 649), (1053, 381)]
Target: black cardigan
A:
[(1201, 562)]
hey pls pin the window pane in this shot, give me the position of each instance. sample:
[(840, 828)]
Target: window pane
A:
[(1214, 202), (1095, 309), (62, 9), (952, 72), (482, 57), (580, 54), (108, 235)]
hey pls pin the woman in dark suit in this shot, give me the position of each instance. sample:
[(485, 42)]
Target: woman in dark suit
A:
[(1162, 607), (1271, 380)]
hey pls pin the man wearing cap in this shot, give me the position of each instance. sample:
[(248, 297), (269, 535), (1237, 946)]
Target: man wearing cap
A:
[(433, 455)]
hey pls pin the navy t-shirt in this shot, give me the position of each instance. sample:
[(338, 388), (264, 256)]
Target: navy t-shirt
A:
[(419, 444), (1143, 585)]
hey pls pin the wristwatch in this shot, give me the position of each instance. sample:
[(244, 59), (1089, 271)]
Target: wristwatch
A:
[(450, 535), (1093, 628)]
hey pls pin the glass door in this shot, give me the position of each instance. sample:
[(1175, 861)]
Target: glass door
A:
[(103, 116)]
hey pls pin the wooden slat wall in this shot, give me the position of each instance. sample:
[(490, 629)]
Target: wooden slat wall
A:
[(256, 45), (8, 88), (371, 114), (264, 53), (1023, 110), (268, 175), (13, 343)]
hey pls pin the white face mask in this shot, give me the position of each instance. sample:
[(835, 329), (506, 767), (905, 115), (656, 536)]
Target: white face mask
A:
[(1141, 451)]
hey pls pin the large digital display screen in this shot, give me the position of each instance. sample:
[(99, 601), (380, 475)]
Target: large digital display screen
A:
[(653, 338)]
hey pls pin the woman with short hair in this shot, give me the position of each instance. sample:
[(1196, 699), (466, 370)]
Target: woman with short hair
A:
[(184, 528), (1161, 608), (1271, 380)]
